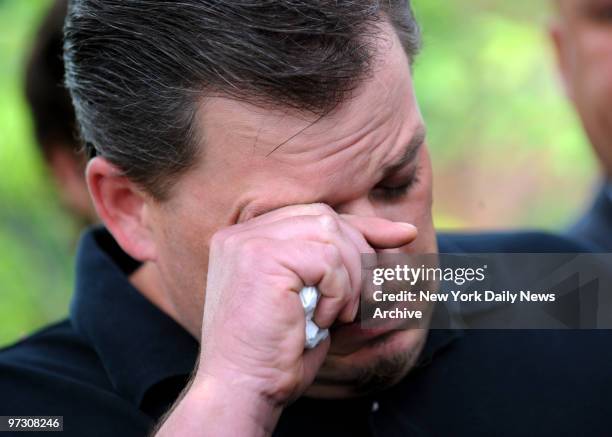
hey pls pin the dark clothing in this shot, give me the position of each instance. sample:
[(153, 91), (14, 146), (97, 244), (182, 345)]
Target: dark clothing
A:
[(595, 227), (117, 363)]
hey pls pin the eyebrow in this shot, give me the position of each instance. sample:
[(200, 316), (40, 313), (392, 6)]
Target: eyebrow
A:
[(410, 152)]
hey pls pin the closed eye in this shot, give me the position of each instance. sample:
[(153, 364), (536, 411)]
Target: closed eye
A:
[(390, 190)]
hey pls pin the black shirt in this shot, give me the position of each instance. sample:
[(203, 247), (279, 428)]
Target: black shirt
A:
[(118, 363)]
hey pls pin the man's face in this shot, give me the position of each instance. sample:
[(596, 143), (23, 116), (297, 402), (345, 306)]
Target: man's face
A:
[(367, 158), (583, 36)]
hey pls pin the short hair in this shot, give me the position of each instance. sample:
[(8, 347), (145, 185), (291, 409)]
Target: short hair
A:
[(137, 69), (50, 104)]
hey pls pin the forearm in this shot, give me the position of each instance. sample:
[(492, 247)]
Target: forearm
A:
[(210, 408)]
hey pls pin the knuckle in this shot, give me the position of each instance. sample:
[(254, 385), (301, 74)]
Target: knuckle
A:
[(323, 208), (232, 241), (328, 222), (219, 238), (316, 209), (253, 248), (331, 255), (251, 257)]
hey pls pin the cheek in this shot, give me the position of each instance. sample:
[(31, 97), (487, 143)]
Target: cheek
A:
[(189, 223), (184, 261), (184, 238)]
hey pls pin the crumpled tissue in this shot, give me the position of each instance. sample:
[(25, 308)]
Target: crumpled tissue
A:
[(314, 335)]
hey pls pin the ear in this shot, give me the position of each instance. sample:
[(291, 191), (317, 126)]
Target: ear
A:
[(558, 35), (123, 207)]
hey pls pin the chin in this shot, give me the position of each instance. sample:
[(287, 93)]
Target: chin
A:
[(378, 365)]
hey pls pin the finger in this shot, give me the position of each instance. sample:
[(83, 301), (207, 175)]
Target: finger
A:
[(381, 233), (320, 264), (248, 216), (336, 302), (351, 238), (324, 229), (361, 246), (351, 241)]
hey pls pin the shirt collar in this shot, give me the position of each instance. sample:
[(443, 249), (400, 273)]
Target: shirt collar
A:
[(138, 344)]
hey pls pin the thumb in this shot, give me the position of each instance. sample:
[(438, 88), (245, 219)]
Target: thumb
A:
[(382, 233)]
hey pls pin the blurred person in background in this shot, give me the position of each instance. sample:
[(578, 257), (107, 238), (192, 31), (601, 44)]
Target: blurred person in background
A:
[(53, 116), (582, 36)]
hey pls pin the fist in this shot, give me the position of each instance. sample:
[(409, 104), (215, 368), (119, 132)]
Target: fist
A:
[(253, 327)]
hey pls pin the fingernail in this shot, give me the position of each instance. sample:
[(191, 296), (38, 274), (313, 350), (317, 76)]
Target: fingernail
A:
[(408, 226)]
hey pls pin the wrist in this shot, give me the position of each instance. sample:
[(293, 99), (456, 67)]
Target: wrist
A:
[(212, 407), (234, 404)]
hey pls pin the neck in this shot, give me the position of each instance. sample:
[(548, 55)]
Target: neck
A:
[(147, 280)]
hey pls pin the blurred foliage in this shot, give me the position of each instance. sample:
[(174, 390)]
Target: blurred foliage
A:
[(506, 147), (36, 235)]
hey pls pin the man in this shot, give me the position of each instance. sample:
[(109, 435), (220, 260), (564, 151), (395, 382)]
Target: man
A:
[(53, 116), (239, 152), (582, 35)]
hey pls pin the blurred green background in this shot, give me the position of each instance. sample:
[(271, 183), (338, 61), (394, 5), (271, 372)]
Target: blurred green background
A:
[(507, 149)]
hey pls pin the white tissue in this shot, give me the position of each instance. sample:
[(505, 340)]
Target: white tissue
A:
[(314, 335)]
